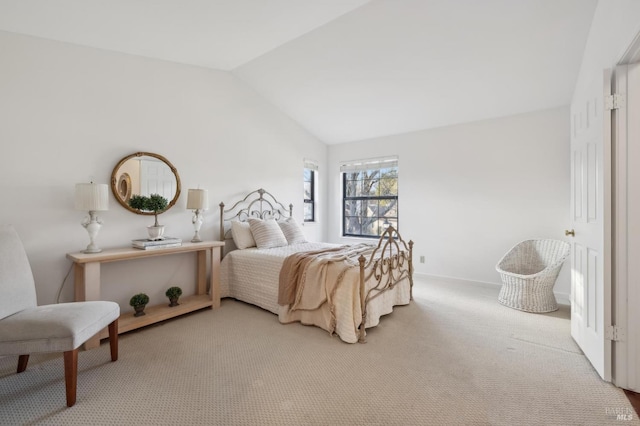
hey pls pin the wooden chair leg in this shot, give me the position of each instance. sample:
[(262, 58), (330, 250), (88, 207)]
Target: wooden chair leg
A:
[(113, 340), (71, 375), (23, 360)]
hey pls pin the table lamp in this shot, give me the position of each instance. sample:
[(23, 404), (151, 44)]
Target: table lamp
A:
[(197, 200), (92, 197)]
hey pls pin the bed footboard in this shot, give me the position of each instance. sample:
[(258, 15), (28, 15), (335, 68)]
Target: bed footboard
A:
[(389, 263)]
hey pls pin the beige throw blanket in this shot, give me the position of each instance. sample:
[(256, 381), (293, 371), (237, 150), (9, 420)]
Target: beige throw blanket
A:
[(308, 279)]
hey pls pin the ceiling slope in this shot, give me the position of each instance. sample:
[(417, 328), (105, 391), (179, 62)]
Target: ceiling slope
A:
[(219, 34), (395, 66), (347, 70)]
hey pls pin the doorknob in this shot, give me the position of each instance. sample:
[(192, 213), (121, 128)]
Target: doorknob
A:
[(572, 233)]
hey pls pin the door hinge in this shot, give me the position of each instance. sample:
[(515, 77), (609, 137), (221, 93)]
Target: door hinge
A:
[(614, 333), (614, 101)]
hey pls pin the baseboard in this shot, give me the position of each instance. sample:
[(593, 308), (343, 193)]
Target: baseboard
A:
[(456, 279), (561, 298)]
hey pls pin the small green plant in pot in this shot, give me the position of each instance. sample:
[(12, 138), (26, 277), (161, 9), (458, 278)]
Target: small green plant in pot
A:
[(155, 203), (173, 293), (139, 301)]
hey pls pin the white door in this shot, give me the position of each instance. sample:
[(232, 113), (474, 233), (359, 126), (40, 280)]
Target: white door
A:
[(591, 223)]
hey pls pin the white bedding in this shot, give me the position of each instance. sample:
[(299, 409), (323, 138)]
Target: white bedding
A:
[(252, 276)]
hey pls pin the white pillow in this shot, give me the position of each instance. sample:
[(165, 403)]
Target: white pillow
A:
[(292, 231), (241, 233), (267, 233)]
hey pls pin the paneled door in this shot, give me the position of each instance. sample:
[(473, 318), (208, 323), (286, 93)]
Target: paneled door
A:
[(590, 235)]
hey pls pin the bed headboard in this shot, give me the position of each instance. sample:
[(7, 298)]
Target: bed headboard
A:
[(258, 204)]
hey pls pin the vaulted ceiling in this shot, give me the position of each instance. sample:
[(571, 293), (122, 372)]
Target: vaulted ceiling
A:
[(347, 70)]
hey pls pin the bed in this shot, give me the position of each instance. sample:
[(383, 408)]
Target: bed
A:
[(343, 289)]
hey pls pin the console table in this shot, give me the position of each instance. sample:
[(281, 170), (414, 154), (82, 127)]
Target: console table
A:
[(87, 282)]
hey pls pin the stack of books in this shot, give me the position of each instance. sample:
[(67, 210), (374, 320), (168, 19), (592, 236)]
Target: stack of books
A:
[(166, 242)]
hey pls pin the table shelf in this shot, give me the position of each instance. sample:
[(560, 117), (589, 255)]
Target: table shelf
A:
[(87, 283), (157, 313)]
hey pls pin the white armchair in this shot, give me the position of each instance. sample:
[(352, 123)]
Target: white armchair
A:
[(26, 328)]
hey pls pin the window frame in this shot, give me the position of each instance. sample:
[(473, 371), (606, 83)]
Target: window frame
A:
[(312, 199), (368, 166)]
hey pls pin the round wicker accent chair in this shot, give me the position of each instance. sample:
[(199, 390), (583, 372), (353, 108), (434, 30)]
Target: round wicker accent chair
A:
[(529, 271)]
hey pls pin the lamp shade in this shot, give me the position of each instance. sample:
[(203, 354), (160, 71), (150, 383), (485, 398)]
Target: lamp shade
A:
[(92, 196), (197, 199)]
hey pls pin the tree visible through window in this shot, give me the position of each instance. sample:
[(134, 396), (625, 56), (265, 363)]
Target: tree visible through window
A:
[(370, 197)]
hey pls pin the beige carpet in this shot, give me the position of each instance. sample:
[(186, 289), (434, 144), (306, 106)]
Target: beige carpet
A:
[(454, 356)]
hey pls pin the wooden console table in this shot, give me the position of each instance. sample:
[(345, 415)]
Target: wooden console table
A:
[(87, 282)]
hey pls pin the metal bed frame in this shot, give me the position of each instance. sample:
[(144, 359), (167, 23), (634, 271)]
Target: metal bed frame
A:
[(390, 262)]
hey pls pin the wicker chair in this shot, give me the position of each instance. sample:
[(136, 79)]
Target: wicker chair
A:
[(529, 271)]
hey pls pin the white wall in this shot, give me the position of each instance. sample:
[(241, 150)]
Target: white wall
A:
[(615, 24), (70, 113), (468, 193)]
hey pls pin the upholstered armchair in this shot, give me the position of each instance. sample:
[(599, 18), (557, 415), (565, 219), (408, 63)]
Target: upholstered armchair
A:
[(26, 328)]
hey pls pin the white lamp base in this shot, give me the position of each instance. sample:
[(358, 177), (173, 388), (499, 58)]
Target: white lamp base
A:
[(92, 224), (197, 223)]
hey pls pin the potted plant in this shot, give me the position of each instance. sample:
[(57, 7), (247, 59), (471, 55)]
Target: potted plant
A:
[(173, 293), (155, 203), (139, 301)]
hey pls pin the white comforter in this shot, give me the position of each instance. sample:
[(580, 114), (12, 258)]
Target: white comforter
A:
[(252, 276)]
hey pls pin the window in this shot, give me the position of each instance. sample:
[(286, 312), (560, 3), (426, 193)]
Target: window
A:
[(369, 197), (309, 181)]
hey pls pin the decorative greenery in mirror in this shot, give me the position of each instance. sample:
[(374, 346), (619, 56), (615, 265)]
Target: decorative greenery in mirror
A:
[(145, 173)]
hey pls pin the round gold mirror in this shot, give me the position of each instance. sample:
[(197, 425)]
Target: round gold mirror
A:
[(145, 173)]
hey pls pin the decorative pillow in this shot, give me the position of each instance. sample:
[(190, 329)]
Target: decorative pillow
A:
[(267, 233), (292, 231), (241, 233)]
